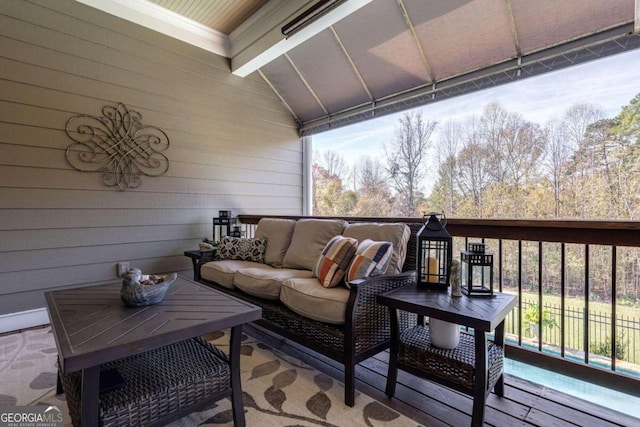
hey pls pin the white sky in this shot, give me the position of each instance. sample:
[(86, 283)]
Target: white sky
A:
[(609, 83)]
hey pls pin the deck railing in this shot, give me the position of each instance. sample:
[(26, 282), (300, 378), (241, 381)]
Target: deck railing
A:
[(578, 286)]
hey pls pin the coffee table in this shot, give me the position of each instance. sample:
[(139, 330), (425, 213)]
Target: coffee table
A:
[(93, 327)]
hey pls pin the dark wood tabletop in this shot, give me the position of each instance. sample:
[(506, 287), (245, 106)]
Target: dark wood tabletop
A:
[(482, 313), (93, 326)]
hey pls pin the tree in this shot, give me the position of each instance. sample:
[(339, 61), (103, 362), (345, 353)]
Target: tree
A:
[(557, 160), (624, 157), (523, 151), (371, 175), (575, 122), (515, 145), (405, 159), (374, 194), (474, 177), (329, 195), (474, 167), (334, 164), (496, 129), (621, 159), (444, 192)]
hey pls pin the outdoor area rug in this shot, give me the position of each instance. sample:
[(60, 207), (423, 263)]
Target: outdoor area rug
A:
[(278, 390)]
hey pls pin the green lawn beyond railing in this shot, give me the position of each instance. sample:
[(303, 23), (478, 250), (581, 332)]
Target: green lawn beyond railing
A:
[(600, 342)]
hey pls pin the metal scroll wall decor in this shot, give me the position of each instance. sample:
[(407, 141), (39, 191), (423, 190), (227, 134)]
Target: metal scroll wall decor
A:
[(117, 144)]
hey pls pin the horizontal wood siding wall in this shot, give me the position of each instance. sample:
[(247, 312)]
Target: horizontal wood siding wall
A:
[(232, 146)]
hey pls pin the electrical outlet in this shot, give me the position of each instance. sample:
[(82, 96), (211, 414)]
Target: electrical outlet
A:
[(123, 268)]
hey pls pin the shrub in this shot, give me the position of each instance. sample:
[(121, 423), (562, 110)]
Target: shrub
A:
[(532, 313), (603, 348)]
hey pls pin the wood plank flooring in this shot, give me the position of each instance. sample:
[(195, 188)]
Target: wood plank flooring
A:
[(524, 403)]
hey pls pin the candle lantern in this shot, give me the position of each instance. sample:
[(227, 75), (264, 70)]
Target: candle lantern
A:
[(477, 270), (434, 253), (222, 227), (236, 232)]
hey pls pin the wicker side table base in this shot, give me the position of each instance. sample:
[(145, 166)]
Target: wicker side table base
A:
[(159, 386), (455, 368)]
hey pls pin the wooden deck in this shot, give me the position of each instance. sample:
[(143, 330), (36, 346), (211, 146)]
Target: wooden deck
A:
[(524, 403)]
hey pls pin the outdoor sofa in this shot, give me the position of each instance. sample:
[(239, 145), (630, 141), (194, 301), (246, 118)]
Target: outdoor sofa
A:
[(343, 322)]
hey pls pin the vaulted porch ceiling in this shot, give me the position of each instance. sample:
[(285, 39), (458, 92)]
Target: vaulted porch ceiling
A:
[(365, 58)]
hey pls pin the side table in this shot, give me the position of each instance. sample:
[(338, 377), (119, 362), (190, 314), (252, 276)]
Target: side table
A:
[(199, 257), (474, 367)]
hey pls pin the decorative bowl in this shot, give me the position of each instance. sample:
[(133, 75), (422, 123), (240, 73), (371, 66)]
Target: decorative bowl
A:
[(139, 290)]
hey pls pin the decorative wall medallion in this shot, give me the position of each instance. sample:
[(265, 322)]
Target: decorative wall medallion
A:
[(117, 144)]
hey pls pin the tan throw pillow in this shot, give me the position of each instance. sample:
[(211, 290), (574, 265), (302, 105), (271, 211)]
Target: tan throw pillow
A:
[(310, 236), (396, 233), (334, 260), (278, 232)]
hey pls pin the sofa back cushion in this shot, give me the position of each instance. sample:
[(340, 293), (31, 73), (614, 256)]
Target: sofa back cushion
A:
[(334, 260), (309, 238), (396, 233), (278, 233)]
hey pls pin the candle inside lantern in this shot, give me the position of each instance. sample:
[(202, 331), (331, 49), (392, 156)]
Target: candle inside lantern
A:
[(431, 269)]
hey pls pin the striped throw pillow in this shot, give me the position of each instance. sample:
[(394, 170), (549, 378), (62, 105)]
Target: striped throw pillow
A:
[(334, 260), (371, 259)]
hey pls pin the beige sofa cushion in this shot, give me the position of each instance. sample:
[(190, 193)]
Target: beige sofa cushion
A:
[(396, 233), (278, 233), (310, 236), (222, 272), (309, 298), (266, 283)]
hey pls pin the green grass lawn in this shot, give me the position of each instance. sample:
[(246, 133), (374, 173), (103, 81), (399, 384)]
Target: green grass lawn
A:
[(598, 329), (594, 306)]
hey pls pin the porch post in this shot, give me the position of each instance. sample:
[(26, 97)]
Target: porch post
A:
[(307, 179)]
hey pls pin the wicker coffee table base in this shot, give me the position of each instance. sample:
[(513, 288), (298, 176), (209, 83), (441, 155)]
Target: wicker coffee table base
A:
[(159, 386)]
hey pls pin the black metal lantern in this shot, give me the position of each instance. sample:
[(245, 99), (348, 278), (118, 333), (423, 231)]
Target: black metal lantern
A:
[(435, 253), (236, 232), (477, 271), (222, 227)]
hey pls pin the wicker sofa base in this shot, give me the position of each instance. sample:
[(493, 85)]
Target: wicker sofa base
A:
[(348, 346), (159, 386), (325, 338)]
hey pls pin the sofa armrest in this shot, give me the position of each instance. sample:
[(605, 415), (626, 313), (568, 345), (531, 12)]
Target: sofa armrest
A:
[(381, 282), (366, 320)]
